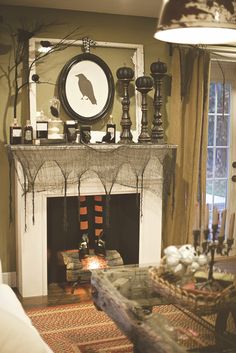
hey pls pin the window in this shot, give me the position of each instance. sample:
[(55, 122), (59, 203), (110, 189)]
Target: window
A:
[(221, 188), (218, 145)]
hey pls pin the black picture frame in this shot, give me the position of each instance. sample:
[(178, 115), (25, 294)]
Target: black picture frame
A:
[(85, 134), (86, 88), (111, 129)]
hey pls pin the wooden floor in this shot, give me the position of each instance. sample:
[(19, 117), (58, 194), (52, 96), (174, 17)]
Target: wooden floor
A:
[(59, 294)]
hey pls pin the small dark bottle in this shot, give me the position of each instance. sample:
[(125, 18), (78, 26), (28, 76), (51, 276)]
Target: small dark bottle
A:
[(28, 133), (15, 133)]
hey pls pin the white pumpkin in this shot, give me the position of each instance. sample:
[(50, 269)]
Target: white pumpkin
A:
[(202, 260)]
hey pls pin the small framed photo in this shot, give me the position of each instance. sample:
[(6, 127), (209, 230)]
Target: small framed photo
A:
[(70, 130), (85, 134), (86, 88), (111, 131)]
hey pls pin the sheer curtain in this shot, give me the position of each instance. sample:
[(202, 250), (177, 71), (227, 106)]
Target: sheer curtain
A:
[(187, 127)]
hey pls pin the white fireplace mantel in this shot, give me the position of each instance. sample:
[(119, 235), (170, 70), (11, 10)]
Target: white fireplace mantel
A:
[(32, 238)]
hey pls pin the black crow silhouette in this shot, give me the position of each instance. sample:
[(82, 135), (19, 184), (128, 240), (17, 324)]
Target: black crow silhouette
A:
[(86, 88)]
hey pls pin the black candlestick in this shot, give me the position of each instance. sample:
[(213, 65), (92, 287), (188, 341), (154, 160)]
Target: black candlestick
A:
[(205, 243), (125, 75), (212, 247), (196, 238), (229, 245), (158, 72), (144, 85)]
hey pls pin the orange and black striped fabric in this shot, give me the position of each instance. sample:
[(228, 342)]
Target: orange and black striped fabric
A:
[(98, 204), (83, 211), (98, 215)]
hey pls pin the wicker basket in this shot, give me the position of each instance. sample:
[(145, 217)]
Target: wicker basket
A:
[(200, 302)]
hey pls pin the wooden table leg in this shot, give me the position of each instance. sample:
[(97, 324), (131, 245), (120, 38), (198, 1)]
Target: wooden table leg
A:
[(221, 321), (136, 349), (233, 312)]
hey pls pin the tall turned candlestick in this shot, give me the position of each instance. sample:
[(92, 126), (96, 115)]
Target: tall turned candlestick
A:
[(158, 72), (125, 75), (230, 238), (144, 84), (212, 247), (196, 238), (205, 243)]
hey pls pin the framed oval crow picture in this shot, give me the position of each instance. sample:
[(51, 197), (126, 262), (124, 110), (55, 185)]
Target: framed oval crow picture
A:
[(86, 88)]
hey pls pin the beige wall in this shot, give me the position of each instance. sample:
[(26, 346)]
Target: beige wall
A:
[(99, 27)]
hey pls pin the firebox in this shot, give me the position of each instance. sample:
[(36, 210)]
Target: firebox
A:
[(120, 225)]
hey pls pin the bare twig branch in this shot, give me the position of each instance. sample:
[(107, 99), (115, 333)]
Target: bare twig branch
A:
[(20, 44), (61, 45)]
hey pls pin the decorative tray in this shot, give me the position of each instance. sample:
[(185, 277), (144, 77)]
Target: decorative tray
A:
[(202, 302)]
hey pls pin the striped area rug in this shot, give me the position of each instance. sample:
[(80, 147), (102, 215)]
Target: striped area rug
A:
[(79, 328)]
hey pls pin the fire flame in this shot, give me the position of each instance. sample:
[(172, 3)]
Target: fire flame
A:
[(94, 262)]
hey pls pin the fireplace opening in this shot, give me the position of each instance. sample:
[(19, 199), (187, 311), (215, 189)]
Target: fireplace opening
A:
[(122, 233)]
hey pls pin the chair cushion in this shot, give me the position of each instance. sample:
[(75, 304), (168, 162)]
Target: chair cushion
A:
[(18, 336), (0, 272), (10, 303)]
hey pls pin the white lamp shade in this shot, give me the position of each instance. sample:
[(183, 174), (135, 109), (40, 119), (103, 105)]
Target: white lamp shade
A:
[(197, 22)]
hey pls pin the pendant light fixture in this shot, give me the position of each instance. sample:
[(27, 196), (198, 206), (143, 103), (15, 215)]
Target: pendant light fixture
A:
[(197, 22)]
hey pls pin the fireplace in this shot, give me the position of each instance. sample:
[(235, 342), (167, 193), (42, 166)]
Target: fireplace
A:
[(120, 224), (31, 197)]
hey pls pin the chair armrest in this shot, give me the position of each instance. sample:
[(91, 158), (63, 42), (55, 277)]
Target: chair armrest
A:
[(1, 281)]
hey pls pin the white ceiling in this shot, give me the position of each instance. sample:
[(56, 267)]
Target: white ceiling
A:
[(148, 8)]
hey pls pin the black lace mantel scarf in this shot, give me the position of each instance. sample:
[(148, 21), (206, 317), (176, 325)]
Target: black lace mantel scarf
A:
[(139, 166)]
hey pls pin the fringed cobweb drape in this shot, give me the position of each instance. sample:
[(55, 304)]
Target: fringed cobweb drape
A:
[(58, 167)]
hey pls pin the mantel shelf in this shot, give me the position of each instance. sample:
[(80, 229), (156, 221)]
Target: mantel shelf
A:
[(95, 146)]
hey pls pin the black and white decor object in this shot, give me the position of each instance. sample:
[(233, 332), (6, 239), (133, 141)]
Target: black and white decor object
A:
[(86, 86), (85, 134), (158, 72), (144, 85), (125, 75)]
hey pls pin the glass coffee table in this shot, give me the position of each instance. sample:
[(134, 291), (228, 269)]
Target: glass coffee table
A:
[(152, 322)]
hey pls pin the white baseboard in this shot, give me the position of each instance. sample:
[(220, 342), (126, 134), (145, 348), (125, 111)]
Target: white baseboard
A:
[(9, 278)]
